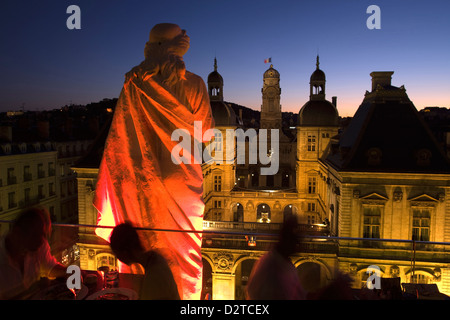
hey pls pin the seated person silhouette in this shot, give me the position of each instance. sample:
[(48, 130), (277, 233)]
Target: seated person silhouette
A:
[(25, 254), (158, 283)]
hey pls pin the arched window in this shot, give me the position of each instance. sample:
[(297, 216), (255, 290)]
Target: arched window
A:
[(263, 213), (238, 213), (288, 211)]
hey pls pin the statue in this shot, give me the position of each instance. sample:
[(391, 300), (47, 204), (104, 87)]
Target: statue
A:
[(138, 182)]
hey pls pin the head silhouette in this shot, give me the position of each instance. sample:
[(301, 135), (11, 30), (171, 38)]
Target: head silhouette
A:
[(31, 228), (125, 243)]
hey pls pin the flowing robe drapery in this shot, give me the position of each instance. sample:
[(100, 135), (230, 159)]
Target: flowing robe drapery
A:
[(138, 181)]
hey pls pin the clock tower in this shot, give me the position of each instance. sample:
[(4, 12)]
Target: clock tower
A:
[(271, 107)]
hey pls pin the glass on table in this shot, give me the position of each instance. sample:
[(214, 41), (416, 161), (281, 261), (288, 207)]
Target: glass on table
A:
[(112, 279), (103, 270)]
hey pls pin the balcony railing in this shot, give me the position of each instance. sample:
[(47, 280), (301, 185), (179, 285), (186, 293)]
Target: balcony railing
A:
[(262, 236), (261, 227)]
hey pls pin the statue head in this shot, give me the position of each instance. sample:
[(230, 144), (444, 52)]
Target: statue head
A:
[(164, 52), (171, 37)]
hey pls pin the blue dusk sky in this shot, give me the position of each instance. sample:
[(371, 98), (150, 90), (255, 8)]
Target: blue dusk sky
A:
[(44, 65)]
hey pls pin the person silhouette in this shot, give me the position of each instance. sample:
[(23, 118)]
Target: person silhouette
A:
[(158, 282), (25, 254), (274, 277)]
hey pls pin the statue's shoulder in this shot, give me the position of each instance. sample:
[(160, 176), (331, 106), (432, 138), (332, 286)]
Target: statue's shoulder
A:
[(193, 78), (133, 73)]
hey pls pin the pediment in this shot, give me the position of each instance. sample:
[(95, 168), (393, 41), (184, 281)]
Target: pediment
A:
[(374, 198), (424, 197), (217, 171), (424, 200)]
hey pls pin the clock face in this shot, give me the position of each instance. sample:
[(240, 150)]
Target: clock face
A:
[(271, 92)]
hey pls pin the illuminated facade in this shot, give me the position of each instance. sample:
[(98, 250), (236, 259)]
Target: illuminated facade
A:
[(35, 170), (383, 177)]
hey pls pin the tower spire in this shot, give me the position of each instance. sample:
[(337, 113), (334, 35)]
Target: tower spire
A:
[(317, 62), (215, 64)]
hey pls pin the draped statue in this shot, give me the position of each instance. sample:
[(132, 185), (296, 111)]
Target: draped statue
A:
[(138, 181)]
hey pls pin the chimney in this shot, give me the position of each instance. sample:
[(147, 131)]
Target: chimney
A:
[(382, 78), (334, 101)]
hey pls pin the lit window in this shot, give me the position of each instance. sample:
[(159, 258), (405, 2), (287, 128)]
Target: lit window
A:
[(311, 185), (218, 141), (372, 222), (311, 143), (421, 225), (217, 183)]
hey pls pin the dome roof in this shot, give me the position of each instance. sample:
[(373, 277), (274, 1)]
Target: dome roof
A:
[(318, 113), (271, 73), (223, 114), (317, 75), (215, 77)]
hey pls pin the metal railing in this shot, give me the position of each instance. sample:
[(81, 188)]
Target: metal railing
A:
[(261, 236)]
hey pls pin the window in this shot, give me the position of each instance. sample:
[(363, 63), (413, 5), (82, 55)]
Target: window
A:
[(12, 200), (41, 192), (217, 183), (311, 143), (51, 169), (421, 225), (26, 173), (52, 213), (62, 170), (263, 213), (311, 185), (238, 213), (311, 206), (27, 195), (218, 141), (371, 222), (41, 173), (217, 216), (51, 189), (311, 218), (11, 176), (374, 156)]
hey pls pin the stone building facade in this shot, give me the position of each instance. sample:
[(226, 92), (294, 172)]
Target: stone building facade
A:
[(382, 178)]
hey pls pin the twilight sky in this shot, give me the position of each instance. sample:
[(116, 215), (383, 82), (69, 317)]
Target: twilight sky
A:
[(44, 65)]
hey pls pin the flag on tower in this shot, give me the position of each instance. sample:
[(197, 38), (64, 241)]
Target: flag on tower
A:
[(268, 60)]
